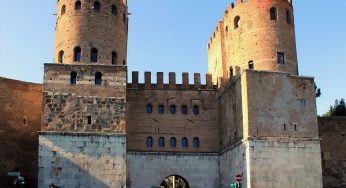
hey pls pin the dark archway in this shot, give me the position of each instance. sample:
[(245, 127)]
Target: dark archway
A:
[(174, 181)]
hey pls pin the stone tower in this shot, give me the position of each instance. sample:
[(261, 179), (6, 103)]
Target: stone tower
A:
[(83, 141), (89, 30), (255, 35)]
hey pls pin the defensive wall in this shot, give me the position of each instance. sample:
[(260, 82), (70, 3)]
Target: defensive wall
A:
[(20, 119), (332, 132)]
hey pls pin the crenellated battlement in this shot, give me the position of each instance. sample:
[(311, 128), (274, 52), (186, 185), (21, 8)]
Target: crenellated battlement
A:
[(172, 84)]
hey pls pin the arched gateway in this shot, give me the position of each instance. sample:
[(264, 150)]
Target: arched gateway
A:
[(174, 181)]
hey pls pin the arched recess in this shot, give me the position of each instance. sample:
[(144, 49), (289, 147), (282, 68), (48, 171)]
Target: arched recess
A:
[(174, 181)]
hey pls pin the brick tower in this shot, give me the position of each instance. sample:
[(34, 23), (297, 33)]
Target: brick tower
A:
[(255, 35), (83, 141)]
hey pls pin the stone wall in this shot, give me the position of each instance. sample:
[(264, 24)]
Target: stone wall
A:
[(81, 160), (20, 109), (332, 132), (141, 124), (149, 169), (84, 106), (284, 163)]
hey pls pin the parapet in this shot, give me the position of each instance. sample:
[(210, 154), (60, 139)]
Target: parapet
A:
[(172, 84)]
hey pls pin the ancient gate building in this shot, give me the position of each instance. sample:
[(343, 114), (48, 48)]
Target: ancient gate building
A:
[(254, 117)]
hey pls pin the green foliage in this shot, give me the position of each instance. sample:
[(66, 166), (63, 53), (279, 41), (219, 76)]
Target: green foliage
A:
[(339, 109), (317, 91)]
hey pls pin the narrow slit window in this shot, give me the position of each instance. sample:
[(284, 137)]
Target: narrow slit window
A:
[(77, 54), (77, 5), (93, 55), (161, 109), (251, 65), (98, 78), (97, 6), (63, 10), (196, 142), (273, 14), (61, 56), (149, 108), (73, 78), (173, 142), (89, 120), (231, 72), (288, 17), (114, 58), (114, 10), (172, 109), (149, 141), (236, 22), (184, 142), (161, 142)]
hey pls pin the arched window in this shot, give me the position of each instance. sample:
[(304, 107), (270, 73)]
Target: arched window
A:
[(236, 22), (149, 108), (97, 6), (273, 14), (184, 109), (114, 58), (172, 109), (98, 78), (196, 142), (161, 109), (61, 56), (184, 142), (173, 142), (231, 72), (149, 141), (93, 55), (77, 53), (114, 10), (288, 17), (63, 10), (251, 65), (73, 78), (77, 5), (195, 110), (161, 142)]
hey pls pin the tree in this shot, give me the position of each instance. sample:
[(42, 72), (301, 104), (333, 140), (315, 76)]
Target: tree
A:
[(317, 91), (339, 109)]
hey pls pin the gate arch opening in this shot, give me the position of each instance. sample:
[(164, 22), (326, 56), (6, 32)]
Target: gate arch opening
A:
[(174, 181)]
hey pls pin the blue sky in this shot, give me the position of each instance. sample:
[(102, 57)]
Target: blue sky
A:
[(172, 36)]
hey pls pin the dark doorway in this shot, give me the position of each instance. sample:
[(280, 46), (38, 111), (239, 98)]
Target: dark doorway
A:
[(174, 181)]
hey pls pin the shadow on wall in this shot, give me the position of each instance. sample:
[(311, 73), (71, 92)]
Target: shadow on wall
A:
[(68, 163)]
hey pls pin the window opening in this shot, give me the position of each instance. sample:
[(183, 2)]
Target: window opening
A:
[(184, 142), (273, 14), (97, 6), (73, 78), (149, 141), (161, 109), (288, 17), (98, 78), (281, 58), (173, 142), (114, 58), (184, 109), (172, 109), (196, 142), (236, 22), (251, 65), (114, 10), (63, 10), (77, 5), (161, 142), (89, 120), (77, 53), (61, 57), (149, 108), (93, 56), (195, 110)]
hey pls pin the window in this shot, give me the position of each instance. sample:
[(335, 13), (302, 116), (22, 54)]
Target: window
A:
[(281, 58), (173, 142), (93, 55), (114, 10), (149, 141), (61, 57), (97, 6), (244, 1), (184, 109), (195, 110), (73, 78), (161, 142), (149, 108), (184, 142), (124, 62), (161, 109), (236, 22), (172, 109), (251, 65), (89, 120), (288, 17), (231, 71), (273, 13), (114, 58), (63, 10), (196, 142), (226, 29), (77, 5), (98, 78), (77, 53)]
